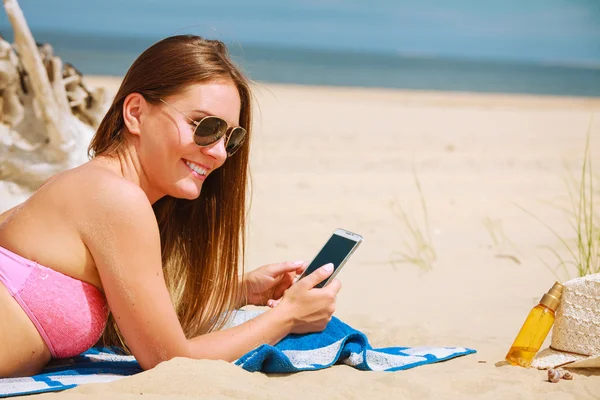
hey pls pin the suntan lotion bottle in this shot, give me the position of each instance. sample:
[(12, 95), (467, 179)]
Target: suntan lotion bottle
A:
[(535, 329)]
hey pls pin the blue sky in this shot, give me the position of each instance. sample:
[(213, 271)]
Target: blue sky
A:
[(556, 31)]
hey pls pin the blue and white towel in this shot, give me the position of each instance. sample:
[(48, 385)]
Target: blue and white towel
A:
[(337, 344), (93, 366)]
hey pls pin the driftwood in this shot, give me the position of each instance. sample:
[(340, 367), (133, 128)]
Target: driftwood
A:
[(47, 114)]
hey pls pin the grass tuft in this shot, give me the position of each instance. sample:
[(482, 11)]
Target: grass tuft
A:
[(417, 245), (502, 244), (584, 250)]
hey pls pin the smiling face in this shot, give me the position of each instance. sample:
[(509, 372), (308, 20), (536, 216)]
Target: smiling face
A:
[(172, 164)]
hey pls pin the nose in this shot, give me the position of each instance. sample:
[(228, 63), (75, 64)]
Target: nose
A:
[(217, 150)]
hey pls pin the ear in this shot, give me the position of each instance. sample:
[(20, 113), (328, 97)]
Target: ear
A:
[(132, 111)]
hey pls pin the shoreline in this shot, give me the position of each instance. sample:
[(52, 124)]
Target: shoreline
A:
[(408, 96)]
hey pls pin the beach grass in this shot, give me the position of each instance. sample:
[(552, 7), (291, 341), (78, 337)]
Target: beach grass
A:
[(417, 245), (502, 245), (583, 249)]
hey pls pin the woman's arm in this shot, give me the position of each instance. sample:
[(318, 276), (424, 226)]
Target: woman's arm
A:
[(303, 309), (123, 238)]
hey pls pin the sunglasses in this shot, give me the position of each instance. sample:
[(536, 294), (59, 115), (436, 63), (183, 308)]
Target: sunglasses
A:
[(209, 130)]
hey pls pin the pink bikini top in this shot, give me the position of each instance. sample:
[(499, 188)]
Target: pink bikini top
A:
[(69, 314)]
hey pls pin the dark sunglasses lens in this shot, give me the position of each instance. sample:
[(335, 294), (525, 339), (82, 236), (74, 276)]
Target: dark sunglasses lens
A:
[(236, 140), (209, 131)]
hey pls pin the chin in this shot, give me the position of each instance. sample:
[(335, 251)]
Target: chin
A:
[(188, 192)]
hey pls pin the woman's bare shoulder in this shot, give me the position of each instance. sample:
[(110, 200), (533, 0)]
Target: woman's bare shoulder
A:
[(92, 193), (106, 190)]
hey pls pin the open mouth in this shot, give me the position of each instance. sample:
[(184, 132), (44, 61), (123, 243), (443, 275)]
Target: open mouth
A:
[(196, 169)]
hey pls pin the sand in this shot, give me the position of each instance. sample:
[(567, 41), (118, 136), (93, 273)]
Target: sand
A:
[(325, 158)]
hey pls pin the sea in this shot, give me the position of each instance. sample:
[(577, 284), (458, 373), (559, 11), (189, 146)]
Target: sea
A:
[(100, 48)]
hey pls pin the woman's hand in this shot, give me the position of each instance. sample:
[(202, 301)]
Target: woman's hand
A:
[(310, 308), (267, 284)]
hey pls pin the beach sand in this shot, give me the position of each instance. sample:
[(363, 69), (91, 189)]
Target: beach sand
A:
[(325, 158)]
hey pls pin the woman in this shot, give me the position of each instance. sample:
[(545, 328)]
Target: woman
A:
[(151, 229)]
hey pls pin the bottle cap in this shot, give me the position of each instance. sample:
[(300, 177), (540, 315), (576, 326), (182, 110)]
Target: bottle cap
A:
[(552, 298)]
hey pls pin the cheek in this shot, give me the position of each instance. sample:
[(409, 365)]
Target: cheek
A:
[(166, 142), (161, 148), (181, 138)]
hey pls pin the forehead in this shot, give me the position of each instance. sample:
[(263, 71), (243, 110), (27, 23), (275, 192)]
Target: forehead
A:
[(219, 98)]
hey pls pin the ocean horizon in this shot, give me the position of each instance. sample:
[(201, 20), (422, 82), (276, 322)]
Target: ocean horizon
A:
[(543, 47), (112, 55)]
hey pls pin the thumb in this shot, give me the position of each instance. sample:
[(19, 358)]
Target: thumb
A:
[(317, 276)]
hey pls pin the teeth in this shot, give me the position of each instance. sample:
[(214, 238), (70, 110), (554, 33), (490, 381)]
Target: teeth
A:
[(196, 168)]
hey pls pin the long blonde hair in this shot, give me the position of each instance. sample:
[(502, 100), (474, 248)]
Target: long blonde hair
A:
[(202, 240)]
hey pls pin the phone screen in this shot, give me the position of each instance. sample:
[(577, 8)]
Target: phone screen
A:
[(335, 251)]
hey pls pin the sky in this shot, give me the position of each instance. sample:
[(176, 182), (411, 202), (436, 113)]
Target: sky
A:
[(541, 31)]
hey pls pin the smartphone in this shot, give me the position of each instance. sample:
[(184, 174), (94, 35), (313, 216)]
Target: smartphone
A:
[(337, 251)]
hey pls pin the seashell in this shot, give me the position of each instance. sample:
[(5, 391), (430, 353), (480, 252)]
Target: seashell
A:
[(568, 376), (553, 375)]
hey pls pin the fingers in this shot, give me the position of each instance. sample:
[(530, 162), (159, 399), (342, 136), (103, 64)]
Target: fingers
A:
[(273, 303), (290, 266), (285, 283), (301, 268), (317, 277), (335, 286)]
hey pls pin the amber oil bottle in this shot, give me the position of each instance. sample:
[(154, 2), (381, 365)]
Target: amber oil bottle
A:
[(535, 329)]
